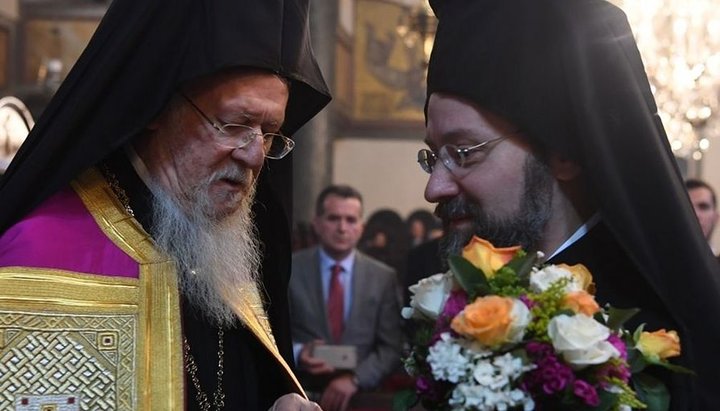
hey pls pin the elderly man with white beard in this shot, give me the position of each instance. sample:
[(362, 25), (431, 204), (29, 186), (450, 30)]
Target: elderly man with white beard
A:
[(144, 257)]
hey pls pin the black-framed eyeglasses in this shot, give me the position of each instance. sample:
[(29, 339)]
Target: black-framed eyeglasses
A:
[(234, 136), (453, 157)]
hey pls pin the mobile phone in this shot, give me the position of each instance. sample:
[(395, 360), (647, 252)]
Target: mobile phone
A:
[(342, 357)]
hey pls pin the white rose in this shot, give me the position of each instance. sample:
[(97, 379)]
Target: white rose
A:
[(581, 340), (429, 297), (597, 354), (541, 280), (520, 319)]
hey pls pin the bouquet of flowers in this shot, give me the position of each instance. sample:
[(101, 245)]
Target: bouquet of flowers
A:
[(500, 331)]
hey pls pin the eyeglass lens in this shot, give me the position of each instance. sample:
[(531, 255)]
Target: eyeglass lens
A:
[(452, 157), (276, 146), (238, 136), (426, 159)]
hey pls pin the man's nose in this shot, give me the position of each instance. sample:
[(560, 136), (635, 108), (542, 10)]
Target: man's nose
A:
[(441, 185), (253, 154)]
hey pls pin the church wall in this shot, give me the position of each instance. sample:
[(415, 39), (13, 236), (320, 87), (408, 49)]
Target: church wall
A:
[(384, 171), (9, 9)]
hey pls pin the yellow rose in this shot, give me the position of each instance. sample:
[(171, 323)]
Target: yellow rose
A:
[(581, 302), (582, 276), (486, 257), (659, 345), (493, 320)]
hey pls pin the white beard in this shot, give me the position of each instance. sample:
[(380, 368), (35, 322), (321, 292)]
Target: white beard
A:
[(216, 257)]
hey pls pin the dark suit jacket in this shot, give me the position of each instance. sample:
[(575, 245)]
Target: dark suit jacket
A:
[(373, 324), (423, 261), (619, 283)]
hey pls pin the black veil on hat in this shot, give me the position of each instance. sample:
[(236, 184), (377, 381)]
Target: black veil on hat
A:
[(568, 73), (139, 55)]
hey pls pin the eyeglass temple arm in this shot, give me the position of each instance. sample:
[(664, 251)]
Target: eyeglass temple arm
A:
[(192, 103)]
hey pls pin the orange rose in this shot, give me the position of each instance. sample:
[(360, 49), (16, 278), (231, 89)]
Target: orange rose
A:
[(659, 345), (486, 257), (493, 320), (581, 302), (582, 276)]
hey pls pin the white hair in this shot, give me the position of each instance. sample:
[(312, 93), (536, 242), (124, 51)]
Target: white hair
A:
[(217, 258)]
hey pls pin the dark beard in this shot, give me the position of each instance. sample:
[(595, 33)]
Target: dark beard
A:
[(524, 228)]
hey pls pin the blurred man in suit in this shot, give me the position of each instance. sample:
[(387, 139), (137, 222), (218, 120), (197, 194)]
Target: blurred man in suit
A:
[(704, 201), (341, 296)]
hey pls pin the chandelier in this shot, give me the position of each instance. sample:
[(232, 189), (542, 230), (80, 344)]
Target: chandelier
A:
[(417, 28), (679, 41)]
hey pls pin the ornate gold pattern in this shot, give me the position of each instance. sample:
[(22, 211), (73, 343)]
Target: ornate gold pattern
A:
[(51, 353)]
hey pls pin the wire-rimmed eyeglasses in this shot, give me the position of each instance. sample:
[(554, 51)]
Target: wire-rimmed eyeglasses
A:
[(231, 135), (453, 157)]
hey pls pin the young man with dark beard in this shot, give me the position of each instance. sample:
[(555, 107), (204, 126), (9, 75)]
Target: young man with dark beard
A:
[(542, 132), (138, 269)]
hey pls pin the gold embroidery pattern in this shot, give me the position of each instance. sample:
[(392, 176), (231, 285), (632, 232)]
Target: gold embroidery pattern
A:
[(89, 356)]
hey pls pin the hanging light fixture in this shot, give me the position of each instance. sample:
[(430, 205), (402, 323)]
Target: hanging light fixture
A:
[(417, 28), (679, 41)]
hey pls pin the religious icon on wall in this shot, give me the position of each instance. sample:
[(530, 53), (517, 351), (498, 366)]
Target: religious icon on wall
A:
[(389, 81)]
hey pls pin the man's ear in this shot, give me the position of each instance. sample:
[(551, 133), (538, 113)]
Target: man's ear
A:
[(563, 168)]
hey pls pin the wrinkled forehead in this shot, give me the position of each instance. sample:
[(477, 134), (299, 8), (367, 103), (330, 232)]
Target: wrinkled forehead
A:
[(229, 77)]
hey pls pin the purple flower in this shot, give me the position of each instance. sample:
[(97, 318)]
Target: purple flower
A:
[(527, 301), (553, 385), (454, 304), (538, 350), (431, 390), (617, 369), (622, 372), (423, 384), (619, 345), (550, 376), (555, 375), (587, 392)]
